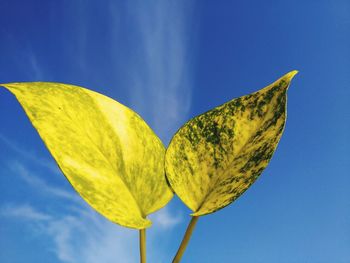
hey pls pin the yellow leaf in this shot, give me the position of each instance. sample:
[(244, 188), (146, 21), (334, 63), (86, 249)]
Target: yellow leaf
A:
[(107, 152), (216, 156)]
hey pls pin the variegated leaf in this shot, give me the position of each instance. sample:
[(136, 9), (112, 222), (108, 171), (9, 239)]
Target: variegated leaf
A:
[(107, 152), (216, 156)]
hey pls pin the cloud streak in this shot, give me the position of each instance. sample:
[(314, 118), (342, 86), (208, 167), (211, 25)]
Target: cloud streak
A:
[(84, 237), (165, 219), (30, 156), (81, 234), (36, 182), (24, 212), (161, 75)]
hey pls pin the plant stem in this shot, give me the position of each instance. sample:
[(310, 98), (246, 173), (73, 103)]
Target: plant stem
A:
[(185, 239), (142, 245)]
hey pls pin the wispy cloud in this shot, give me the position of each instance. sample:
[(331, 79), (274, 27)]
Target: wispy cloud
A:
[(24, 212), (36, 182), (30, 155), (36, 71), (160, 81), (82, 235), (165, 219), (86, 237), (29, 64)]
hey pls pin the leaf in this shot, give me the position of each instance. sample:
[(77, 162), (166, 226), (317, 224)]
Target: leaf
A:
[(216, 156), (107, 152)]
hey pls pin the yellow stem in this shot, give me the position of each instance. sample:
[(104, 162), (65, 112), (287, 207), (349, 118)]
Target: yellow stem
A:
[(142, 245), (185, 239)]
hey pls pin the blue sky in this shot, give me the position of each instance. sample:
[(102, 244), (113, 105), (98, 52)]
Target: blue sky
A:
[(170, 61)]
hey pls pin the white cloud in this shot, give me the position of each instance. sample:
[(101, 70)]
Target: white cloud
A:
[(89, 238), (165, 219), (24, 212), (160, 78), (86, 237), (27, 176), (30, 156), (36, 72), (82, 235)]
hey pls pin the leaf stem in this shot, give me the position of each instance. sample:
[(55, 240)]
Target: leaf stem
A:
[(142, 245), (185, 239)]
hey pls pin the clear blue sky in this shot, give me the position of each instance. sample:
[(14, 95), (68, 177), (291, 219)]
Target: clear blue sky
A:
[(170, 61)]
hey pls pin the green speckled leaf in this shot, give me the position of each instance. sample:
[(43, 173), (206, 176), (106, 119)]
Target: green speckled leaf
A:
[(216, 156), (107, 152)]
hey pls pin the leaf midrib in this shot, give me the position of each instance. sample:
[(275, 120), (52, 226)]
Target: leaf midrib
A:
[(104, 155)]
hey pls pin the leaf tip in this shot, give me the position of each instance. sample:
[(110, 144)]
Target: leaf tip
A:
[(6, 85), (290, 75), (287, 78), (3, 85)]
